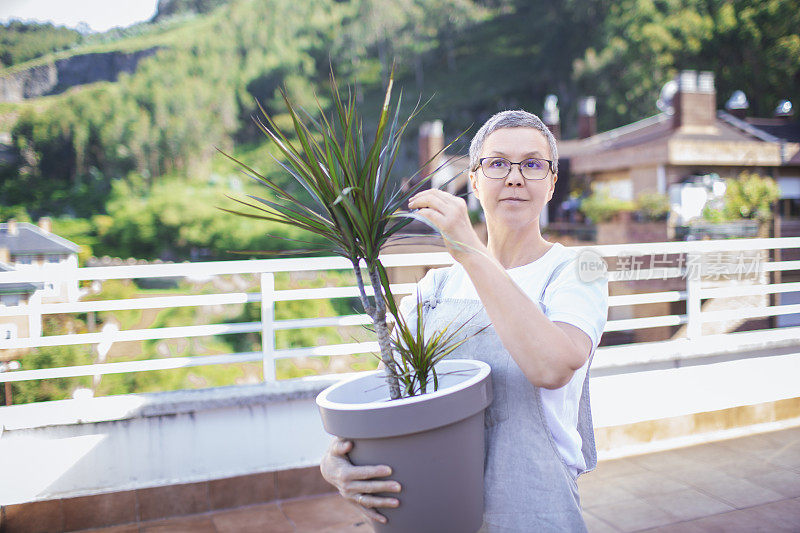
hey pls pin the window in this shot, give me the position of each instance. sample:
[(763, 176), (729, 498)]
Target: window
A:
[(53, 258), (8, 332), (789, 208), (24, 259), (9, 300)]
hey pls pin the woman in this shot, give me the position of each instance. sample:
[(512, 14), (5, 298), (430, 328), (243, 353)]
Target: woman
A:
[(546, 324)]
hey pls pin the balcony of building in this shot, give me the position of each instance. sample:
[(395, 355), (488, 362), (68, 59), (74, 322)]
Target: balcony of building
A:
[(695, 396)]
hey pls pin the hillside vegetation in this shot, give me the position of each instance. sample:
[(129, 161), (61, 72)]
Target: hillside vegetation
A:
[(21, 42), (95, 148)]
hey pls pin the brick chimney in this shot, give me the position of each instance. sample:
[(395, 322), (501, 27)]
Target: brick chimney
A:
[(5, 255), (11, 226), (737, 105), (696, 102), (431, 142), (587, 117), (45, 224), (551, 117)]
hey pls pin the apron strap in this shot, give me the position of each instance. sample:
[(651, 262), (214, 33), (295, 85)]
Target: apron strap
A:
[(553, 275), (586, 425), (439, 279)]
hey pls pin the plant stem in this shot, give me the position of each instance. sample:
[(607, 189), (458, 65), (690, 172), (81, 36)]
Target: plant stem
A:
[(370, 310), (364, 300), (379, 319)]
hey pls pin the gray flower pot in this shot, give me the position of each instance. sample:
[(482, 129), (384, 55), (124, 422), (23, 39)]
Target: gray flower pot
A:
[(433, 442)]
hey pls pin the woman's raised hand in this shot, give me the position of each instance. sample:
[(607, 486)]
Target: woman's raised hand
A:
[(358, 483), (448, 213)]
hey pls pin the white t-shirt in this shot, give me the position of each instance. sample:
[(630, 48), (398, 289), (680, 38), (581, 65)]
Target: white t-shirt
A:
[(569, 300)]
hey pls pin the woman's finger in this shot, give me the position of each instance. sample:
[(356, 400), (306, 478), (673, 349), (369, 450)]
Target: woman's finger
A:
[(372, 514), (341, 447), (358, 473), (438, 194), (433, 215), (372, 502), (371, 487), (432, 201)]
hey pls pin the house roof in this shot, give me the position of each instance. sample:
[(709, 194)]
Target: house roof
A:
[(777, 127), (16, 288), (656, 140), (657, 128), (778, 130), (30, 239), (641, 131)]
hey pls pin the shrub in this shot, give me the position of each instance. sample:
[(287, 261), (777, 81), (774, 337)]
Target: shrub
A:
[(601, 207), (653, 206)]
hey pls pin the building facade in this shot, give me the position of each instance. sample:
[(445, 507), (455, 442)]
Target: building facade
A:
[(25, 246)]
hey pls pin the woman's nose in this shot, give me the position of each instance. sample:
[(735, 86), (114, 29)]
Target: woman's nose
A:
[(514, 178)]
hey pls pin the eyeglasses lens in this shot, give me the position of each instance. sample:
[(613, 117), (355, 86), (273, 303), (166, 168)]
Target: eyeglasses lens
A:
[(500, 167)]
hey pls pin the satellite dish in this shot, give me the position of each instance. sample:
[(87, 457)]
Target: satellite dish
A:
[(784, 109), (667, 95), (738, 100)]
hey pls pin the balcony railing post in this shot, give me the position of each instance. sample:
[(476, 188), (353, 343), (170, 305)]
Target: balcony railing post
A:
[(35, 315), (267, 324), (693, 273)]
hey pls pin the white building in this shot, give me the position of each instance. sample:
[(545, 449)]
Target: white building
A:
[(25, 246)]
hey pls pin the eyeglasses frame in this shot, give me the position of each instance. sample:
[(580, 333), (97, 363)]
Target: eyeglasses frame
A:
[(519, 165)]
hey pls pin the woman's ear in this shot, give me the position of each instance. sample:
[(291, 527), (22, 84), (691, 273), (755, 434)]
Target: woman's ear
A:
[(474, 181), (552, 187)]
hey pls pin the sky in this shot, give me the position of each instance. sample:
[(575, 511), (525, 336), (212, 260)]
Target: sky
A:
[(100, 15)]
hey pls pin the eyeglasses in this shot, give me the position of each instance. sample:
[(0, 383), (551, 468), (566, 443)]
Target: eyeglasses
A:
[(497, 168)]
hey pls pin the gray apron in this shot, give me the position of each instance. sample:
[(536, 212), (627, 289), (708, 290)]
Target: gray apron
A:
[(527, 485)]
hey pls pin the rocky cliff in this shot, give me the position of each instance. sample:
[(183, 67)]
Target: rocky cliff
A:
[(60, 75)]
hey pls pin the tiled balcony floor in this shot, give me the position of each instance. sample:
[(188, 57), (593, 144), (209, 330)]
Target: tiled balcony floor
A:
[(746, 484)]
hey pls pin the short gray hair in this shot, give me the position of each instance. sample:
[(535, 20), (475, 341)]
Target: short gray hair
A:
[(511, 119)]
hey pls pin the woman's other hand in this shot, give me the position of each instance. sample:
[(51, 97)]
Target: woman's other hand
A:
[(358, 483)]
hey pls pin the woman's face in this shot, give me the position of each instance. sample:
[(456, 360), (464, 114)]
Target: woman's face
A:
[(514, 201)]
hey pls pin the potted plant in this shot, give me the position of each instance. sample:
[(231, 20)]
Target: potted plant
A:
[(652, 207), (611, 216), (421, 415), (601, 207)]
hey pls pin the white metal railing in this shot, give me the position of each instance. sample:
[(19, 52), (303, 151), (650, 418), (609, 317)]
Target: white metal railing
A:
[(693, 292), (268, 295)]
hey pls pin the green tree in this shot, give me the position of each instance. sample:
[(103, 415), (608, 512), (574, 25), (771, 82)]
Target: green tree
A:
[(752, 46), (750, 196), (180, 220), (643, 43), (756, 48)]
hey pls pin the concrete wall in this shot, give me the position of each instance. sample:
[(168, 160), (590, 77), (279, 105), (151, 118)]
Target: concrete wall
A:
[(78, 447), (645, 180)]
